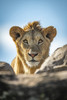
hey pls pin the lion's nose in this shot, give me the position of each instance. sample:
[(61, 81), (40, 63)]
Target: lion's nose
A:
[(32, 55)]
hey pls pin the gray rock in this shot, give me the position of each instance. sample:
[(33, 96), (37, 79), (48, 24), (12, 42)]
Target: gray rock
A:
[(56, 60), (5, 68), (46, 86)]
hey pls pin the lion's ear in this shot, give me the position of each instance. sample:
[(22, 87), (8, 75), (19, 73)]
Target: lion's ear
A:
[(15, 32), (50, 32)]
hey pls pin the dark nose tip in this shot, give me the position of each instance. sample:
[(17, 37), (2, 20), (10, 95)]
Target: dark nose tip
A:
[(32, 55)]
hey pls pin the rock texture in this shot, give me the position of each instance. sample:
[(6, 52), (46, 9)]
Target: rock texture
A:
[(49, 84), (56, 60), (5, 68)]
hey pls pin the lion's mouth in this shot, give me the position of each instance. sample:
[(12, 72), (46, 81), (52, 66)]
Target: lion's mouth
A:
[(32, 63), (33, 60)]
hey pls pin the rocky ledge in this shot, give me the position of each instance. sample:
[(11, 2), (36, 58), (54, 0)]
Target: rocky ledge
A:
[(48, 83), (57, 60)]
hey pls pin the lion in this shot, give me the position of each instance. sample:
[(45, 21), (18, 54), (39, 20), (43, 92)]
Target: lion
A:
[(32, 44)]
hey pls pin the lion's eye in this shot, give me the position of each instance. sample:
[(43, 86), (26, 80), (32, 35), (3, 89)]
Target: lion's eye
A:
[(40, 41), (25, 41)]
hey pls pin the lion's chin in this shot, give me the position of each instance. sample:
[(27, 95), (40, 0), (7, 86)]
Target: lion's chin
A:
[(32, 64)]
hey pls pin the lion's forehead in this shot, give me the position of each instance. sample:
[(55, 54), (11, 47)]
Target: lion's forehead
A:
[(33, 35)]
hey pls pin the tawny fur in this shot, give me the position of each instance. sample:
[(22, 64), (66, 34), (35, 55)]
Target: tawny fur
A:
[(32, 32)]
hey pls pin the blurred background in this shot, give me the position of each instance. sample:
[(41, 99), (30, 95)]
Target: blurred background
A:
[(20, 12)]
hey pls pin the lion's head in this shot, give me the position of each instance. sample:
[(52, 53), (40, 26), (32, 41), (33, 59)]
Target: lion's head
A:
[(33, 42)]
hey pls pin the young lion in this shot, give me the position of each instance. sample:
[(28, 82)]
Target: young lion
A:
[(32, 44)]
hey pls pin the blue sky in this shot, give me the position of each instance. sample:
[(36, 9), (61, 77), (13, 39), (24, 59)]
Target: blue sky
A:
[(20, 12)]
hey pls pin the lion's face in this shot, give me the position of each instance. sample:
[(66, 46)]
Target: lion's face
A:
[(33, 45)]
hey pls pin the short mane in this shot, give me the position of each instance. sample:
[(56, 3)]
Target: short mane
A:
[(34, 25)]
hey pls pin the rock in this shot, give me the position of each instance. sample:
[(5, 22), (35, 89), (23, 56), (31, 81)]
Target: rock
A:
[(56, 60), (46, 86), (5, 68)]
